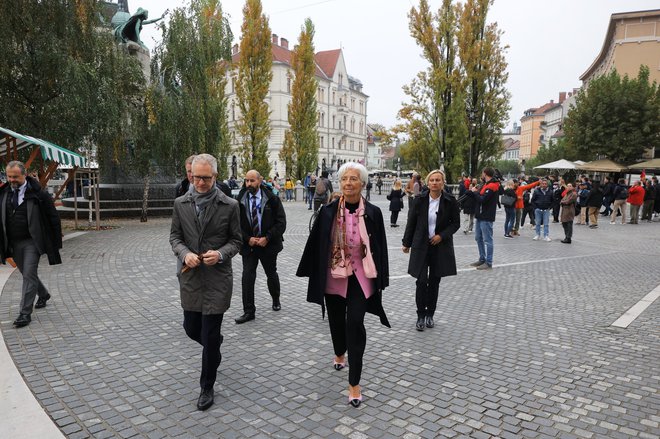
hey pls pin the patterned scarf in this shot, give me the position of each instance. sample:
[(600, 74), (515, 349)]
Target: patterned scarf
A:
[(340, 250)]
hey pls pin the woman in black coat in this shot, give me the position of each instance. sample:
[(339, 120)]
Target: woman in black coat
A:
[(396, 202), (432, 244), (346, 261)]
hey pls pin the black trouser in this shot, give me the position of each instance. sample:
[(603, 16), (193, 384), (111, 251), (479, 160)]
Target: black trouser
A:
[(607, 203), (205, 330), (568, 229), (346, 318), (269, 263), (394, 216), (555, 212), (428, 283), (528, 211)]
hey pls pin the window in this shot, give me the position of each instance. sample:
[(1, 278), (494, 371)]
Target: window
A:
[(361, 127), (288, 84), (321, 142), (333, 121), (333, 98), (353, 104), (340, 124), (361, 107)]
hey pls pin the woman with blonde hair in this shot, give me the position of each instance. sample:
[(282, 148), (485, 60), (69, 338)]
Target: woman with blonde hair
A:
[(346, 261), (396, 202), (432, 221)]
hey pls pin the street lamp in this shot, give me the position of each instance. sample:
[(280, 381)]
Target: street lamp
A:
[(398, 167), (442, 161)]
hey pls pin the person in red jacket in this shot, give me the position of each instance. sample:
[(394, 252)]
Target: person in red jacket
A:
[(635, 199), (520, 204)]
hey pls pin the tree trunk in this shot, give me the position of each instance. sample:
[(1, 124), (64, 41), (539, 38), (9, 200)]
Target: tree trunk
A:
[(145, 200)]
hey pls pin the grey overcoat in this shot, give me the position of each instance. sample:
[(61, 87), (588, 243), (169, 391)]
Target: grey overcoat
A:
[(206, 289)]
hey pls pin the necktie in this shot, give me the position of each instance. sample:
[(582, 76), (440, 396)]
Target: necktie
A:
[(255, 217), (14, 199)]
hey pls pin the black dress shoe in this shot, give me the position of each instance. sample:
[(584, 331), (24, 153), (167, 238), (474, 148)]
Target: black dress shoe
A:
[(205, 399), (420, 324), (41, 302), (22, 320), (429, 322), (244, 318), (277, 306)]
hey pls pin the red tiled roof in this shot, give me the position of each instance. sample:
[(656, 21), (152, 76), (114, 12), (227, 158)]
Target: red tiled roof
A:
[(327, 60), (282, 55)]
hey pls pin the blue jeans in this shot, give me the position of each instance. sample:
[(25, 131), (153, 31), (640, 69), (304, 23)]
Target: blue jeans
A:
[(510, 219), (289, 194), (484, 236), (544, 216)]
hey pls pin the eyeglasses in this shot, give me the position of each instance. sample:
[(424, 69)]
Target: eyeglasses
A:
[(204, 178)]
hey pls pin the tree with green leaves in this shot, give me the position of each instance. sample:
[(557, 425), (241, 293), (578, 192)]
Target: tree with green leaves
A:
[(187, 106), (252, 85), (63, 78), (484, 72), (301, 142), (615, 117), (459, 105)]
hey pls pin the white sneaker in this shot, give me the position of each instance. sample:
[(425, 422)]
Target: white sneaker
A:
[(547, 239), (612, 222), (536, 237)]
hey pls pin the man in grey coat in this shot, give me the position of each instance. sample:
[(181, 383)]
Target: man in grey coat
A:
[(205, 235)]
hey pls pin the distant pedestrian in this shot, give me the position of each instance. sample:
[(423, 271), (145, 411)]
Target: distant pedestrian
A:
[(509, 199), (649, 201), (620, 195), (594, 201), (379, 185), (30, 228), (542, 199), (567, 214), (396, 202), (636, 200)]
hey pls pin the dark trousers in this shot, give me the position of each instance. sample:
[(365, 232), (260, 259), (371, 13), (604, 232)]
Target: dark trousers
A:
[(526, 212), (555, 212), (607, 204), (427, 285), (27, 258), (568, 229), (394, 216), (269, 263), (205, 330), (346, 318)]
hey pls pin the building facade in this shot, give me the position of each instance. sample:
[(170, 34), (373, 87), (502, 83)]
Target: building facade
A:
[(341, 106), (632, 40)]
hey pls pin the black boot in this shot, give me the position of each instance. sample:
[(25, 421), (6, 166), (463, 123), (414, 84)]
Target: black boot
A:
[(421, 324)]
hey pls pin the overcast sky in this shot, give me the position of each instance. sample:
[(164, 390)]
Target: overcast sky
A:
[(551, 42)]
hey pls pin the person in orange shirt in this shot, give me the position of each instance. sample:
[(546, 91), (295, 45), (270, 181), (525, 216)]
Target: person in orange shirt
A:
[(520, 205), (635, 199)]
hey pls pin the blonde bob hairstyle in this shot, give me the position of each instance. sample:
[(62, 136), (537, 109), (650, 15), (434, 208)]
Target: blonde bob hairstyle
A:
[(435, 171)]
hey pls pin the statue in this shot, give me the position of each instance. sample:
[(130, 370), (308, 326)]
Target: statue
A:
[(128, 28)]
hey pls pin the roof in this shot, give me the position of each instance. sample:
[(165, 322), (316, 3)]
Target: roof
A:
[(650, 164), (282, 55), (327, 61), (49, 151), (609, 35), (604, 165)]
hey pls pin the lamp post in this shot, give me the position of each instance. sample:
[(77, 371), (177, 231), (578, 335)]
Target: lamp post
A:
[(442, 161), (472, 128), (398, 167)]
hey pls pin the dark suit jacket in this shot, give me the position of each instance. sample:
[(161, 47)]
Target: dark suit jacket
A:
[(273, 221), (315, 258), (416, 236), (43, 221)]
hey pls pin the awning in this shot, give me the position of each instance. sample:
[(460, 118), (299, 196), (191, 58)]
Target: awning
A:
[(604, 165), (49, 151), (559, 164), (650, 164)]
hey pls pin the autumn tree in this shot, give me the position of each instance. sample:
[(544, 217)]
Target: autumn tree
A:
[(615, 117), (301, 145), (484, 74), (459, 105), (187, 106), (62, 77), (252, 85)]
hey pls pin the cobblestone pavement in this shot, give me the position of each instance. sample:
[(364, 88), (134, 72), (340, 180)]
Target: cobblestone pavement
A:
[(525, 350)]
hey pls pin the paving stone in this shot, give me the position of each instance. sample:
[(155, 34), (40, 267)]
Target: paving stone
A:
[(524, 350)]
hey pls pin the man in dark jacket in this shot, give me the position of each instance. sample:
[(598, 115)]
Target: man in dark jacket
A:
[(184, 186), (205, 235), (486, 199), (263, 223), (594, 201), (542, 200), (30, 228), (608, 196)]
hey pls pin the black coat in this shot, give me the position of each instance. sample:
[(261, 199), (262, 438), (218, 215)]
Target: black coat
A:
[(396, 200), (316, 256), (416, 236), (43, 222), (273, 221)]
